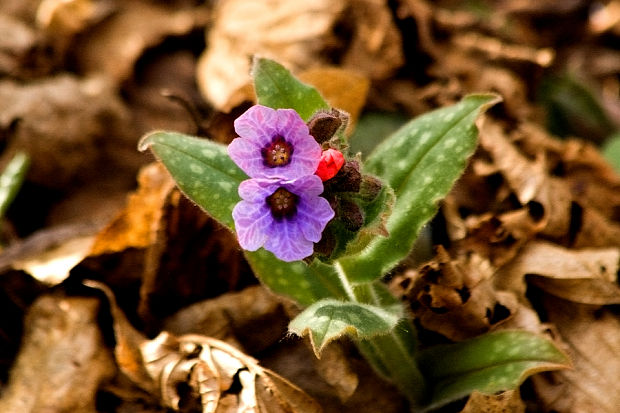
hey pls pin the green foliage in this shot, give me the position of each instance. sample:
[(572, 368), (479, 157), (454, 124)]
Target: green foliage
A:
[(277, 88), (11, 180), (490, 363), (305, 284), (372, 128), (201, 168), (573, 110), (329, 319), (420, 162), (418, 165)]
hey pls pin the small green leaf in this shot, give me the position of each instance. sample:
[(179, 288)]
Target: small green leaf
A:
[(490, 363), (11, 180), (420, 162), (201, 168), (277, 88), (329, 319)]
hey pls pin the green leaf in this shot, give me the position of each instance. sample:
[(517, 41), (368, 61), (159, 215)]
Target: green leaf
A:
[(490, 363), (420, 162), (11, 179), (201, 168), (611, 151), (205, 173), (305, 284), (277, 88), (572, 108), (372, 127), (329, 319)]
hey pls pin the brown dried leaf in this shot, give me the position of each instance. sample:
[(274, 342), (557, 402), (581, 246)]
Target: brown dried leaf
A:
[(343, 89), (187, 243), (456, 297), (49, 254), (136, 225), (114, 45), (505, 402), (206, 366), (253, 316), (214, 365), (16, 41), (63, 359), (290, 32), (592, 335), (376, 48), (60, 122), (586, 276)]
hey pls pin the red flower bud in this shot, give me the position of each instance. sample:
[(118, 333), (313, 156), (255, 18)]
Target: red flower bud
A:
[(331, 162)]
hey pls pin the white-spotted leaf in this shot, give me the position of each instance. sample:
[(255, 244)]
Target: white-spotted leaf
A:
[(277, 88), (490, 363), (201, 168), (421, 161), (329, 319)]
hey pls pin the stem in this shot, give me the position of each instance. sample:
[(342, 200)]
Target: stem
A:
[(391, 355)]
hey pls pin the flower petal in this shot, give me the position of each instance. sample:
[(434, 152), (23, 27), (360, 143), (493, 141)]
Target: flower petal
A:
[(309, 186), (252, 221), (307, 151), (257, 124), (313, 214), (247, 155), (286, 241), (257, 190)]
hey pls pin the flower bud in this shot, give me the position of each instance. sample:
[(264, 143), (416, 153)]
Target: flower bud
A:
[(370, 187), (348, 179), (351, 215), (326, 244), (329, 165), (323, 125)]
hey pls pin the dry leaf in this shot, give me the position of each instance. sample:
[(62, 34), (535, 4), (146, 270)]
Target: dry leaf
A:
[(455, 297), (114, 45), (60, 122), (592, 334), (506, 402), (16, 41), (48, 255), (206, 367), (290, 32), (586, 276), (193, 257), (253, 316), (375, 49), (135, 226), (62, 361), (343, 89)]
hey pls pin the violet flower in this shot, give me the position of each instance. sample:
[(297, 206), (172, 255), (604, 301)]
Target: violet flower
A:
[(284, 217), (274, 144)]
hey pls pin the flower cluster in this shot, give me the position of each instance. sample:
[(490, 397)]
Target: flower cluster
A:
[(281, 207)]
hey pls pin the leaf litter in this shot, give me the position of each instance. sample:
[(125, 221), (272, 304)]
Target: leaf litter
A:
[(528, 238)]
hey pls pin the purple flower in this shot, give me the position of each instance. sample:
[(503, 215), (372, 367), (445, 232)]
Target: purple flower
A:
[(274, 144), (285, 217)]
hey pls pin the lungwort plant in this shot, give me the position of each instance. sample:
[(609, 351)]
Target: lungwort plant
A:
[(323, 228)]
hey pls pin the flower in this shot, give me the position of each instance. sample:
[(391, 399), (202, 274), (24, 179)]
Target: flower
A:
[(274, 144), (329, 165), (285, 217)]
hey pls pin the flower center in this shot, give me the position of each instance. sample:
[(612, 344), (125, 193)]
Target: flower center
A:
[(282, 203), (277, 153)]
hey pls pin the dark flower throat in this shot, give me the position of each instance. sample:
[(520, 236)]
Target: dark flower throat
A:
[(282, 203), (277, 153)]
